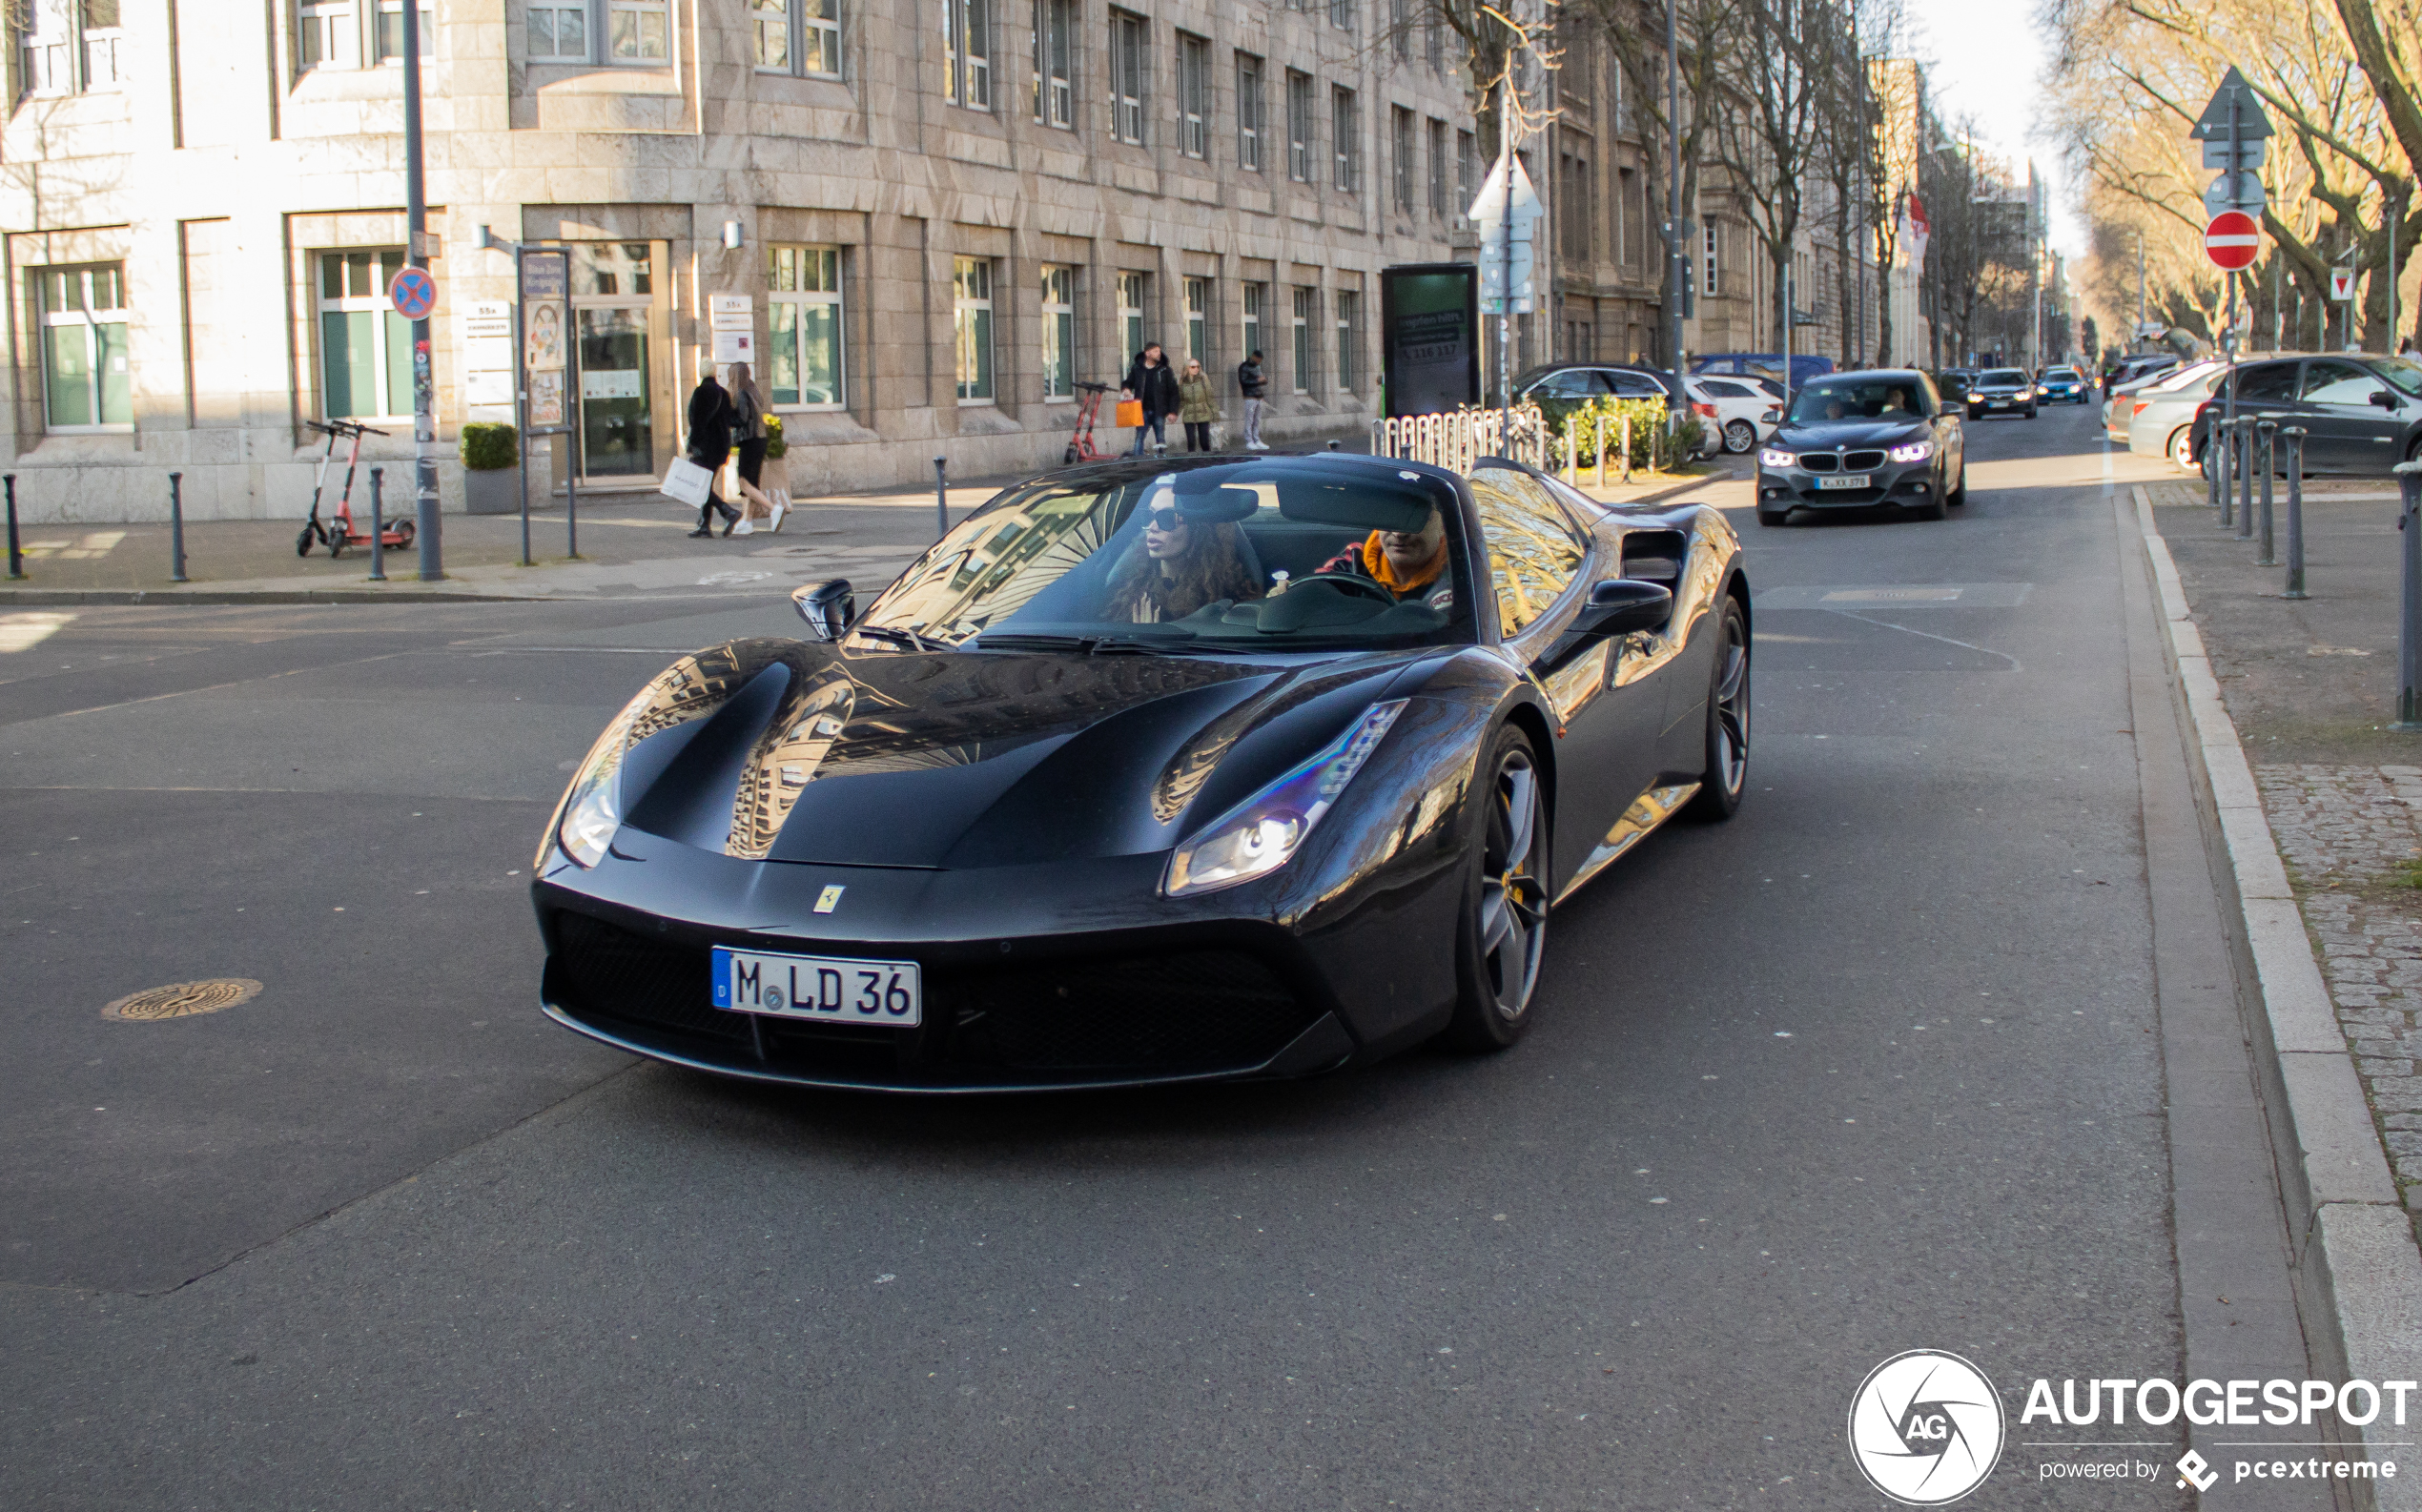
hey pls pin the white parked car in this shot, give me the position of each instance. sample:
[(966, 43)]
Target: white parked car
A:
[(1744, 413)]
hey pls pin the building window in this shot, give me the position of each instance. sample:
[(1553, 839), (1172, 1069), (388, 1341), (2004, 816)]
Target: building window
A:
[(1341, 13), (1438, 167), (1250, 330), (972, 328), (1714, 249), (1399, 29), (1199, 320), (967, 54), (1131, 290), (1302, 377), (1573, 214), (1298, 127), (1435, 40), (365, 348), (64, 46), (1346, 128), (1128, 66), (797, 36), (1248, 113), (1625, 198), (1467, 171), (85, 383), (1059, 332), (1349, 336), (803, 313), (1194, 95), (389, 32), (1055, 46), (554, 32), (638, 31), (1401, 135)]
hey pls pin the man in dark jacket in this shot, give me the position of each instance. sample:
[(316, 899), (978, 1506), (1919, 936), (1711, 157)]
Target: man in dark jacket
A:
[(710, 445), (1253, 380), (1150, 381)]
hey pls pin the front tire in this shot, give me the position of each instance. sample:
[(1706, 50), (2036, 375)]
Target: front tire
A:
[(1502, 936), (1726, 780), (1739, 436), (2182, 449)]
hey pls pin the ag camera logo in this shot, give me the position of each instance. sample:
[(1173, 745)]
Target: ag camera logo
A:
[(1926, 1427)]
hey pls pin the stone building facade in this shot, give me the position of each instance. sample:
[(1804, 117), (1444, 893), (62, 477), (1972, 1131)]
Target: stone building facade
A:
[(947, 215)]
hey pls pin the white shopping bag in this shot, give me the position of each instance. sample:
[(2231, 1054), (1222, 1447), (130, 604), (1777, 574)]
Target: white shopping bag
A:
[(686, 481)]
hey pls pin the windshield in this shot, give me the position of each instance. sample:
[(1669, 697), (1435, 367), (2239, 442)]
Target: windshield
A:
[(2060, 374), (1227, 557), (2182, 378), (2403, 371), (2003, 378), (1890, 398)]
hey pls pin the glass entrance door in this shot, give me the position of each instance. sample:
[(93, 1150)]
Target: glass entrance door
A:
[(617, 430)]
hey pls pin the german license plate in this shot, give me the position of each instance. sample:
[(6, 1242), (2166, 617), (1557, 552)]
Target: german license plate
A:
[(1843, 480), (1997, 404), (836, 988)]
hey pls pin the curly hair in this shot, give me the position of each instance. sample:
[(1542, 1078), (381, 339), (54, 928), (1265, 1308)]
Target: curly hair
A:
[(1211, 567)]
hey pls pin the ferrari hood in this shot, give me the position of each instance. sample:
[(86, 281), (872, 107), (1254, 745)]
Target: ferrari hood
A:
[(797, 751)]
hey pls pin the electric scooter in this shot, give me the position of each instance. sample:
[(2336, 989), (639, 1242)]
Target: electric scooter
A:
[(1081, 447), (337, 532)]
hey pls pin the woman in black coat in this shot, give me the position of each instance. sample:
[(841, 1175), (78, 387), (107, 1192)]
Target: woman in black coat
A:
[(1151, 382), (710, 446)]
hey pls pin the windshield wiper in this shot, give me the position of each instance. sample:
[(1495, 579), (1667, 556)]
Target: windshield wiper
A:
[(1113, 645), (908, 638)]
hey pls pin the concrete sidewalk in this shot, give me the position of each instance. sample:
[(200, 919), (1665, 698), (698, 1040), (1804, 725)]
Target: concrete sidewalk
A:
[(631, 544)]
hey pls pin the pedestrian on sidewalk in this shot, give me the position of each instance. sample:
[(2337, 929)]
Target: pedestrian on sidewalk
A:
[(1150, 382), (1253, 381), (748, 434), (710, 445), (1196, 409)]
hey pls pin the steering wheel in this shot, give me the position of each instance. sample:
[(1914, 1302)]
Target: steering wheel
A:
[(1368, 587)]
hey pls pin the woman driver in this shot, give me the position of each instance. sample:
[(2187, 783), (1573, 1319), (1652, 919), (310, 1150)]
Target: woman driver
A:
[(1180, 566)]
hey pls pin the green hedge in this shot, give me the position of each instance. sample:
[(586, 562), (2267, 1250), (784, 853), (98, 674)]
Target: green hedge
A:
[(1653, 447), (488, 448)]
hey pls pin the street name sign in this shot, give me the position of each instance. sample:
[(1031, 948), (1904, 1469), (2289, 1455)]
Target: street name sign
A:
[(2233, 240)]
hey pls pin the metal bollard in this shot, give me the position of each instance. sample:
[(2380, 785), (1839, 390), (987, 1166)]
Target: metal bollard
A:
[(2295, 436), (2244, 478), (16, 553), (176, 528), (571, 505), (1602, 448), (2215, 485), (2269, 429), (2410, 598), (378, 527), (2224, 442), (942, 497), (1627, 448)]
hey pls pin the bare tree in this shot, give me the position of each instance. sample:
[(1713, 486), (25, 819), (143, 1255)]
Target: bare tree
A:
[(1767, 137)]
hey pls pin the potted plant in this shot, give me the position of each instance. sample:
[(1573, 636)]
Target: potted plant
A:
[(775, 479), (491, 453)]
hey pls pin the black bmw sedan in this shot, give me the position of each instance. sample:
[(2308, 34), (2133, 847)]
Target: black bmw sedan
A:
[(1858, 439), (1153, 771)]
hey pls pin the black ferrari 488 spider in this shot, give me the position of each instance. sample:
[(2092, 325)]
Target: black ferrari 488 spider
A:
[(1154, 771)]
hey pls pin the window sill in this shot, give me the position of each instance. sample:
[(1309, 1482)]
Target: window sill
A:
[(603, 79), (89, 430), (979, 404)]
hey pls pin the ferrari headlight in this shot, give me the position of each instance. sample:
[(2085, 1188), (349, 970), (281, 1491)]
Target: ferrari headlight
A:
[(1261, 834), (592, 807), (1774, 456), (1913, 452)]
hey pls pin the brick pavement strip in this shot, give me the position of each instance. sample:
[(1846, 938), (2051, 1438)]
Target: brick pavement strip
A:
[(2345, 831)]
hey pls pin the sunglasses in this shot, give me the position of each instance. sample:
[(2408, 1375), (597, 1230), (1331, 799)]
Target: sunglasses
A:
[(1163, 519)]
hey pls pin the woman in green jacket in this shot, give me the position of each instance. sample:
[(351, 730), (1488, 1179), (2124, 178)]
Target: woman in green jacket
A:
[(1196, 409)]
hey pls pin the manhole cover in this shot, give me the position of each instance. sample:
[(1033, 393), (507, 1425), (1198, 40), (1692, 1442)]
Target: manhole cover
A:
[(182, 999)]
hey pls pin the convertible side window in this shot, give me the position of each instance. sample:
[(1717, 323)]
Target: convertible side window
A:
[(1534, 551)]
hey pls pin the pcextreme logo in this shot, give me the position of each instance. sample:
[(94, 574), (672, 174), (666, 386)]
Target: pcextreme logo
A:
[(1925, 1427)]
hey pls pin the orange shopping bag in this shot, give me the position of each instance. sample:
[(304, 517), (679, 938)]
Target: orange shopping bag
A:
[(1130, 413)]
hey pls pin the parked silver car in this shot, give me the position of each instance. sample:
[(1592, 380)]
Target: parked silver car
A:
[(2159, 418)]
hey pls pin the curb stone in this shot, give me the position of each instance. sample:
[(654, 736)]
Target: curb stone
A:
[(2359, 1271)]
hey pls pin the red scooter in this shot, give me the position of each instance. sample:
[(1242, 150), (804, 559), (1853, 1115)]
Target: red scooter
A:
[(1081, 446), (338, 531)]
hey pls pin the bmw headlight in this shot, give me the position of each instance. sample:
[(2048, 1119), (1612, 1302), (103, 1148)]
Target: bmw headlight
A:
[(1774, 456), (1262, 834), (1913, 452)]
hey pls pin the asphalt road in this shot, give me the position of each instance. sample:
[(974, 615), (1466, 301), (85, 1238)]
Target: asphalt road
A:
[(1874, 1067)]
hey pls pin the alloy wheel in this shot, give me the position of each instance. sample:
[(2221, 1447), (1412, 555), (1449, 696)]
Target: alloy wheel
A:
[(1513, 901), (1739, 436), (1732, 708)]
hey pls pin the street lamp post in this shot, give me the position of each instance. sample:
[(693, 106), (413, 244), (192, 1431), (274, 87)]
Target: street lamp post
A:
[(429, 527)]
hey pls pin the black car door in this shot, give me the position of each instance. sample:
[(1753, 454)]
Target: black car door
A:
[(1540, 565), (2351, 432), (2265, 388)]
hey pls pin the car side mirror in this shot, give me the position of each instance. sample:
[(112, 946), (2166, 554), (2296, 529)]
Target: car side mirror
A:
[(828, 608), (1622, 605), (2384, 398)]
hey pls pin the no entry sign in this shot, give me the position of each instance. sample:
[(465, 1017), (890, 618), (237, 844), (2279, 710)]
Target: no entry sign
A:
[(2231, 240)]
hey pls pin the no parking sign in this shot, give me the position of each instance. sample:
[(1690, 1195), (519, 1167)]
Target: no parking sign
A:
[(414, 293)]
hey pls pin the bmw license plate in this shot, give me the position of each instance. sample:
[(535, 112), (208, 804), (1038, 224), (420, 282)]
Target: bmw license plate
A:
[(1843, 480), (1998, 404), (837, 988)]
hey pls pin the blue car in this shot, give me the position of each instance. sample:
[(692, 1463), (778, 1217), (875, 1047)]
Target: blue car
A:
[(2064, 385)]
